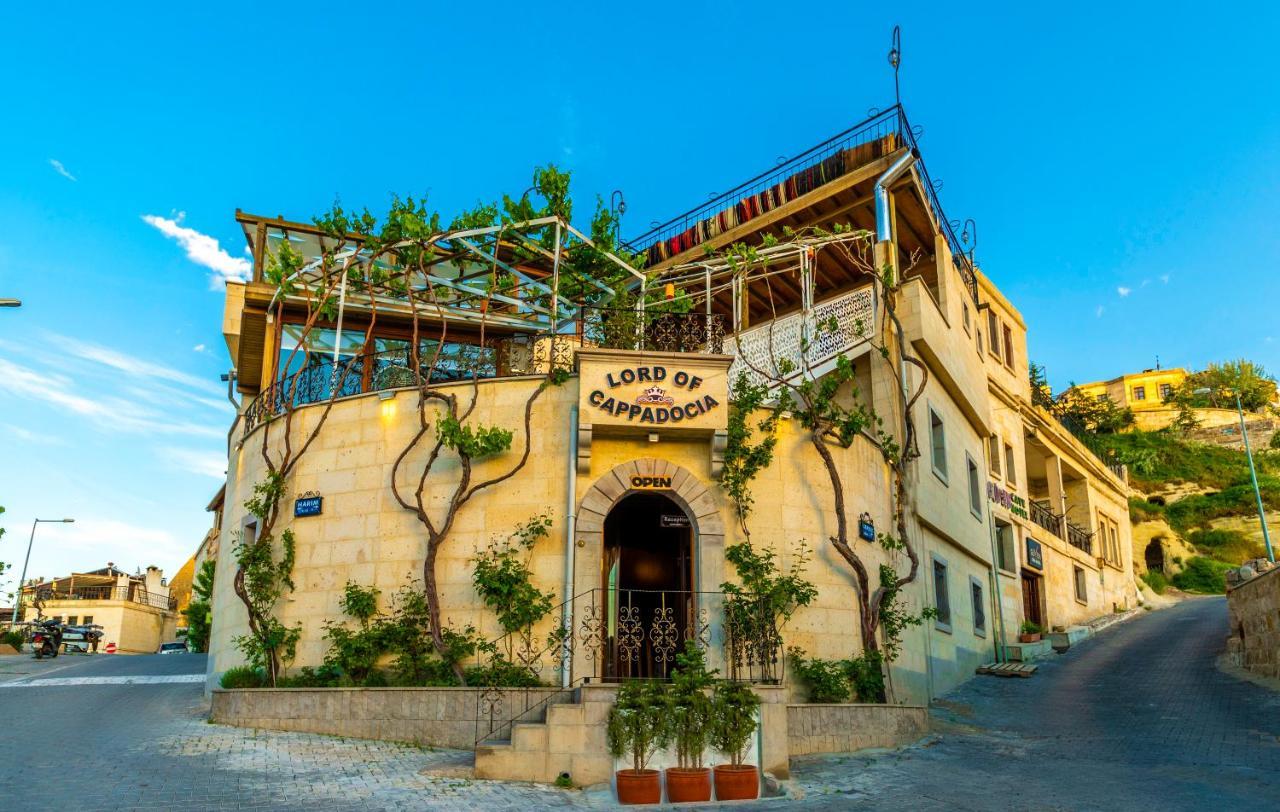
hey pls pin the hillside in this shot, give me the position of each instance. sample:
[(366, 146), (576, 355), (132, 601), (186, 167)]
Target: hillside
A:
[(1195, 515)]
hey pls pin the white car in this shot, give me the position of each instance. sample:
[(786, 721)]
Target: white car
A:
[(173, 648)]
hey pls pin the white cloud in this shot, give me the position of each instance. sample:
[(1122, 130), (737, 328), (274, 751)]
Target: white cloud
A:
[(198, 348), (33, 437), (60, 169), (205, 463), (1099, 311), (110, 412), (1123, 291), (92, 541), (131, 365), (202, 250)]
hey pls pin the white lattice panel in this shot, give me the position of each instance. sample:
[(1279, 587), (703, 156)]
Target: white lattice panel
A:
[(759, 350)]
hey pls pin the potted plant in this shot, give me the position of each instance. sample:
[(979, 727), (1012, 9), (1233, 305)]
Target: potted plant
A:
[(733, 715), (638, 727), (690, 719), (1030, 632)]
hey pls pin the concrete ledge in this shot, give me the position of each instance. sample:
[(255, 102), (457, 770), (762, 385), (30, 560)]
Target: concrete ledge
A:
[(438, 717), (846, 728), (1026, 652)]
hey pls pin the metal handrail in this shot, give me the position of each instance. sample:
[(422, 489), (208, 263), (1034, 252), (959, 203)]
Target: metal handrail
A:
[(1046, 518), (130, 594), (1079, 537)]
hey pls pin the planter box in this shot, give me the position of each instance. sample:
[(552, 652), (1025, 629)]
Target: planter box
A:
[(1061, 641), (1026, 652)]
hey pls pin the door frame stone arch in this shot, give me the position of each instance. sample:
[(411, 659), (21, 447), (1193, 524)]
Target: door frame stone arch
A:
[(690, 492)]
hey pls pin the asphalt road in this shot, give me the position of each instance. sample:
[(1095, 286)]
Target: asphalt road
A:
[(1138, 717)]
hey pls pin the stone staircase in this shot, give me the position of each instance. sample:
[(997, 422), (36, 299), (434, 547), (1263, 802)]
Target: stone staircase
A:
[(571, 739)]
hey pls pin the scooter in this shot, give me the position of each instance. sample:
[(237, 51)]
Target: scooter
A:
[(46, 638)]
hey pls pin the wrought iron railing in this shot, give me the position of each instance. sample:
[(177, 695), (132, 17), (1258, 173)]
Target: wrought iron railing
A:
[(1046, 518), (614, 635), (1079, 537), (808, 170), (323, 378), (132, 594)]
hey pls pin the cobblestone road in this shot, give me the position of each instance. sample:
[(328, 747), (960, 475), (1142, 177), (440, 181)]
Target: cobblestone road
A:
[(1135, 718)]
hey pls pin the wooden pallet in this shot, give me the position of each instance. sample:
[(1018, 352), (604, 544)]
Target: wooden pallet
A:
[(1008, 669)]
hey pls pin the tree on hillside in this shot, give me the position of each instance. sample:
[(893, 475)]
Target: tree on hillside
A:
[(1223, 380), (1094, 415)]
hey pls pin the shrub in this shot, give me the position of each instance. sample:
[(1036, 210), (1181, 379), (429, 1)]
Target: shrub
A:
[(243, 676), (1203, 575), (827, 681), (14, 638), (1140, 510), (866, 677), (326, 676), (733, 720), (690, 708), (1230, 546), (1156, 581), (638, 722)]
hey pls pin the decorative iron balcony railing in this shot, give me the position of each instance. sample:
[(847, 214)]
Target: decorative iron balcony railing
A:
[(1046, 518), (613, 635), (131, 594), (1079, 537)]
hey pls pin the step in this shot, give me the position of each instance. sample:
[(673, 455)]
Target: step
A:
[(566, 714), (529, 736)]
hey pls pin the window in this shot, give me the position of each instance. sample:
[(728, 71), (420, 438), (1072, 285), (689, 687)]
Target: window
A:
[(978, 335), (1166, 391), (940, 600), (71, 621), (994, 449), (1115, 544), (1010, 471), (1101, 398), (965, 310), (979, 607), (1008, 347), (975, 487), (993, 333), (88, 620), (1004, 547), (1082, 592), (1139, 393), (938, 444)]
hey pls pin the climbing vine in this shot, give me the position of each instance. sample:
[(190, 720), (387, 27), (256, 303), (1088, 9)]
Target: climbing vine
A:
[(743, 459)]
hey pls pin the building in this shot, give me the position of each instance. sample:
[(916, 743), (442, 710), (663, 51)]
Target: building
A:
[(620, 415), (1146, 393), (136, 612)]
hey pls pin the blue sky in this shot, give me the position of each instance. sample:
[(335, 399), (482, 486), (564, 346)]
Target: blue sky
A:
[(1120, 161)]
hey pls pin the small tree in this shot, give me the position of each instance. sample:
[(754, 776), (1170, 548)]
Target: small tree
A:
[(639, 722), (690, 705), (504, 579), (356, 651), (734, 720), (261, 581), (199, 612)]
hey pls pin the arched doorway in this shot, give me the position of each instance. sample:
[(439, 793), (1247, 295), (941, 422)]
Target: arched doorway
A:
[(648, 585), (1154, 556)]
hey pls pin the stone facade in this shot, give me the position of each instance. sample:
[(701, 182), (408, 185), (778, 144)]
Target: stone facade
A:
[(1253, 640), (848, 728)]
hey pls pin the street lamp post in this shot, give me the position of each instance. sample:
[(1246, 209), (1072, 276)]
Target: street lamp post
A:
[(17, 603), (10, 303), (1253, 474)]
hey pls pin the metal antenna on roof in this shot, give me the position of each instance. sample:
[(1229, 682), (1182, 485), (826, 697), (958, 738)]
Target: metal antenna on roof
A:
[(895, 59)]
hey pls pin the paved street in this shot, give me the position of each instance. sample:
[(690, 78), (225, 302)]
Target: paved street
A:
[(1135, 718)]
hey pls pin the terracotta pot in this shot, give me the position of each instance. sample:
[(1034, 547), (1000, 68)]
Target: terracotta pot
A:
[(737, 783), (688, 784), (1029, 638), (639, 786)]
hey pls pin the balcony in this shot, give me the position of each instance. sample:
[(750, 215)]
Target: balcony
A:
[(1079, 537), (129, 594), (1046, 518)]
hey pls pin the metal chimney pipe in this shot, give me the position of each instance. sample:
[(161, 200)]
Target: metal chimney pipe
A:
[(884, 229)]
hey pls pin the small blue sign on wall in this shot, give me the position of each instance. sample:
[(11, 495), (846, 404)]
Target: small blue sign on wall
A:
[(309, 505), (866, 528), (1035, 556)]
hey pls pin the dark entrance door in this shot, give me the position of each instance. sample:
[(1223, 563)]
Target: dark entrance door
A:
[(648, 577), (1031, 598)]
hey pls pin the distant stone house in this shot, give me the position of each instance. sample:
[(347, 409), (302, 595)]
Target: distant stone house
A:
[(136, 612)]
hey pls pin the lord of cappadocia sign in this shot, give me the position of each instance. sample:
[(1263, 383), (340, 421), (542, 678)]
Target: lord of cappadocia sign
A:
[(654, 391)]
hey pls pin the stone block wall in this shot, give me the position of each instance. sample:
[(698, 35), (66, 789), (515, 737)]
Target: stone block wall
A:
[(437, 717), (1253, 640), (845, 728)]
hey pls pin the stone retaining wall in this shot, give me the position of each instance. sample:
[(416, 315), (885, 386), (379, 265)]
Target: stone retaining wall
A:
[(438, 717), (1253, 641), (844, 728)]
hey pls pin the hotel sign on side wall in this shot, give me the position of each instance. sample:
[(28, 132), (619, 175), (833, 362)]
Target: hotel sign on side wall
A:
[(1007, 499), (1035, 554), (653, 392)]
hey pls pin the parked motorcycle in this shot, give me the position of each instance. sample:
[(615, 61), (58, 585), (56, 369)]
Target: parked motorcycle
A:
[(46, 638)]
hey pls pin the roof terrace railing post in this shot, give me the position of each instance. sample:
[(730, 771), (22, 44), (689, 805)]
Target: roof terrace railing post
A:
[(707, 276)]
